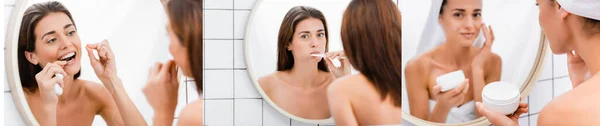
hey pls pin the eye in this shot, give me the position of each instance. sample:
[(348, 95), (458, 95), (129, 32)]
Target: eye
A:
[(70, 33), (304, 36), (537, 4), (477, 15), (51, 40), (321, 34), (458, 15)]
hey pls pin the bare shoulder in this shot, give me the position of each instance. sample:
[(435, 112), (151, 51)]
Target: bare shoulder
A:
[(268, 82), (494, 60), (192, 114), (418, 65), (94, 90), (348, 85), (576, 107)]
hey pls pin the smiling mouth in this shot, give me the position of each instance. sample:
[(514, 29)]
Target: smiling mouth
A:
[(68, 57)]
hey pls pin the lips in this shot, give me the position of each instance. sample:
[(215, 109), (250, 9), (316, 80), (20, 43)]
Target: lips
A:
[(315, 52), (468, 35)]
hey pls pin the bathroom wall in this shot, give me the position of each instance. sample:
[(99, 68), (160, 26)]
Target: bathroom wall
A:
[(230, 96)]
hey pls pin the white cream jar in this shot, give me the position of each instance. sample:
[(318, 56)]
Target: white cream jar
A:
[(502, 97), (450, 80)]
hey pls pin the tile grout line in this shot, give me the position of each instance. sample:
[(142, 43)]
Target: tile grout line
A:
[(203, 66), (233, 57), (221, 9), (222, 39)]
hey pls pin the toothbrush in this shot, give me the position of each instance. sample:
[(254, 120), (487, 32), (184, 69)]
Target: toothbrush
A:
[(57, 88), (336, 62), (318, 55)]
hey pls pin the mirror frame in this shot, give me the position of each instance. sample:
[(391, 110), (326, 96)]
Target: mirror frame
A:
[(257, 85), (12, 64), (525, 89)]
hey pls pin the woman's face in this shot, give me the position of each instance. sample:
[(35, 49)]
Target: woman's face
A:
[(551, 21), (56, 39), (179, 52), (309, 38), (461, 20)]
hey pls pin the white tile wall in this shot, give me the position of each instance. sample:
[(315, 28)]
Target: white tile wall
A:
[(230, 96)]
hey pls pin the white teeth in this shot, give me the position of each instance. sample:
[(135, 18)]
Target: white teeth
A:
[(68, 55)]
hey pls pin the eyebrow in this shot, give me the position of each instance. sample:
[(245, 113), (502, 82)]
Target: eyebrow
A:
[(52, 32), (320, 30), (463, 10)]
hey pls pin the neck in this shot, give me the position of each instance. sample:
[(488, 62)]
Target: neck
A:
[(588, 48), (305, 73), (70, 90), (454, 55)]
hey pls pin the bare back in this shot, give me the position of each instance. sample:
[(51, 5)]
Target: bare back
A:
[(354, 95)]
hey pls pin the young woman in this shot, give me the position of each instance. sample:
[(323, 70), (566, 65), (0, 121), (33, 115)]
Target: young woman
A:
[(461, 22), (371, 35), (570, 26), (49, 45), (185, 33), (300, 83)]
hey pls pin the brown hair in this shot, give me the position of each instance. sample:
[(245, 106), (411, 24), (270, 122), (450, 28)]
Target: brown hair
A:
[(373, 46), (186, 21), (32, 16), (285, 59)]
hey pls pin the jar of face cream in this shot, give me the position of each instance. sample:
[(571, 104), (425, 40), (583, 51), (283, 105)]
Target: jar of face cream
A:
[(502, 97), (450, 80)]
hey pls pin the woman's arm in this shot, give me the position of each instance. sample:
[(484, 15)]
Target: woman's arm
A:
[(105, 69), (481, 77), (418, 97)]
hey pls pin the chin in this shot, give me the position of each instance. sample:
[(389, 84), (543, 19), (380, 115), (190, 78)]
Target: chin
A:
[(73, 69)]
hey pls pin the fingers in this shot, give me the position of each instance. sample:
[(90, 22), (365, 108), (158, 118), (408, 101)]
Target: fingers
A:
[(103, 48), (154, 70), (58, 81), (460, 89), (51, 69), (165, 69), (488, 34), (90, 52), (173, 71), (437, 89), (486, 112)]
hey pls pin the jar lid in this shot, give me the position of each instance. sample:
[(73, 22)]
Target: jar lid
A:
[(500, 92)]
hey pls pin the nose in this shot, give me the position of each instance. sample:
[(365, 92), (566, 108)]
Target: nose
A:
[(470, 23), (314, 42), (64, 43)]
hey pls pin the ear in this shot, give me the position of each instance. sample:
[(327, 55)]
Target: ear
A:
[(563, 13), (31, 57), (289, 48)]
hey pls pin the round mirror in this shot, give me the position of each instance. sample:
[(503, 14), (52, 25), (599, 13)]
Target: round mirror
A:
[(134, 28), (301, 20), (445, 37)]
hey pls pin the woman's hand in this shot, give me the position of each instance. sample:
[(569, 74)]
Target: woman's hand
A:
[(451, 98), (105, 67), (343, 69), (485, 52), (502, 120), (162, 88), (46, 81), (578, 70)]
